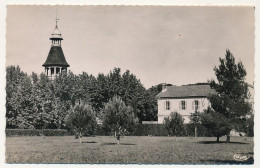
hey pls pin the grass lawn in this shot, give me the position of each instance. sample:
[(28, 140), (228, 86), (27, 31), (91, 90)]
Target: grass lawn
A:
[(144, 150)]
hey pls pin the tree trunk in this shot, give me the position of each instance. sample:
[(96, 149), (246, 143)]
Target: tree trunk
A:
[(80, 135), (196, 131), (217, 138), (228, 138), (118, 139)]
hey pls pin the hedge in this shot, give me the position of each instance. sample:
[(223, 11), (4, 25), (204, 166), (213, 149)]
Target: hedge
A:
[(160, 130), (35, 132), (150, 130), (141, 130)]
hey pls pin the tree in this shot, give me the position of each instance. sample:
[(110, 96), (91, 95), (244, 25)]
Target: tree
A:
[(231, 103), (174, 124), (81, 119), (36, 102), (41, 98), (195, 120), (216, 122), (118, 118), (19, 103)]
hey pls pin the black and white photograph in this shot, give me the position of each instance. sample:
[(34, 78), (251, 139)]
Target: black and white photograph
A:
[(125, 84)]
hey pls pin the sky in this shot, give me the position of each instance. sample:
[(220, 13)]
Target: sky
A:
[(159, 44)]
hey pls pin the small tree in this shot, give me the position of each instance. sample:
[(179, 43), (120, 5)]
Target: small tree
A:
[(216, 122), (195, 120), (174, 124), (81, 119), (118, 118)]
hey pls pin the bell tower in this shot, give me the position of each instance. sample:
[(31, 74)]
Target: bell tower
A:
[(55, 63)]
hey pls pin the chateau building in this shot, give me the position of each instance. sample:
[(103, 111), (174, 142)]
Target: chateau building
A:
[(55, 63), (184, 100)]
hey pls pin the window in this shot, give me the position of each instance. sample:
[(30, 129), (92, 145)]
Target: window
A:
[(183, 105), (167, 105), (52, 71), (195, 105)]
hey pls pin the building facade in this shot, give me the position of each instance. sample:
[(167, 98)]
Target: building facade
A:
[(184, 100), (55, 63)]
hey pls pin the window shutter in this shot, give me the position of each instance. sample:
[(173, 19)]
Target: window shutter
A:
[(193, 103), (198, 105), (180, 105), (165, 105), (169, 105), (185, 105)]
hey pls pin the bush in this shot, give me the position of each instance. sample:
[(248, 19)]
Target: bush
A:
[(35, 132), (174, 124)]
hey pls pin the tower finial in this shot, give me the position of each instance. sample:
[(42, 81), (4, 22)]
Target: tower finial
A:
[(56, 20)]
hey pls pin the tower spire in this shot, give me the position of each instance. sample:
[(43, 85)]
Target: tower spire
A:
[(56, 19)]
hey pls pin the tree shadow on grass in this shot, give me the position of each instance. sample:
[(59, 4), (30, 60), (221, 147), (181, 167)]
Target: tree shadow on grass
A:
[(247, 162), (117, 144), (220, 142), (86, 142), (248, 153), (89, 142)]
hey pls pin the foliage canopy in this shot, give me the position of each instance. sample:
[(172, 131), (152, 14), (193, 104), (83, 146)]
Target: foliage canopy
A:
[(174, 124), (35, 102), (230, 106), (81, 119), (119, 118)]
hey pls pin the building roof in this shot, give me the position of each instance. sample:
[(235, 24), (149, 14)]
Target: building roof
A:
[(186, 91), (56, 57)]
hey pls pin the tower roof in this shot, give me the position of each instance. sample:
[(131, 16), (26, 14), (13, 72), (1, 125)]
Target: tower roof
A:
[(56, 57)]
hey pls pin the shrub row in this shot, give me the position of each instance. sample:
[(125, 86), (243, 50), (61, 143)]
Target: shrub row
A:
[(201, 130), (35, 132), (141, 130), (160, 130), (150, 130)]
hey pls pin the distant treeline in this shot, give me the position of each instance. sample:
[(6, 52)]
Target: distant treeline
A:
[(36, 102)]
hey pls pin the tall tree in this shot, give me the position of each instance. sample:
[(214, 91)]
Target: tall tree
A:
[(19, 104), (231, 101)]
